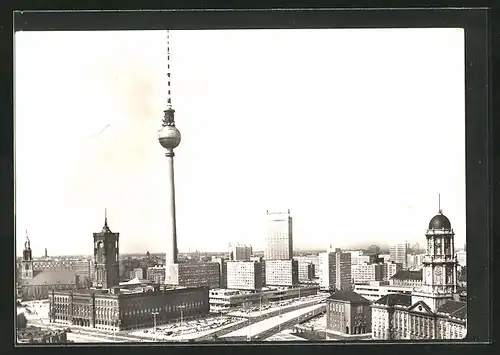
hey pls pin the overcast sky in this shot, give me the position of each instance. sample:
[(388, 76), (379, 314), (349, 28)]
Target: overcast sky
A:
[(355, 131)]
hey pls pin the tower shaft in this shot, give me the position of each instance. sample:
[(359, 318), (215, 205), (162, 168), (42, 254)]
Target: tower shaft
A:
[(171, 252)]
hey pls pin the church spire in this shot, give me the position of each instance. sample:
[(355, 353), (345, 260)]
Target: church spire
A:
[(105, 228), (27, 242), (168, 119)]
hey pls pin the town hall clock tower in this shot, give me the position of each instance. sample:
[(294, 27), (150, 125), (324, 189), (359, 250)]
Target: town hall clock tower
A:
[(439, 274), (106, 258)]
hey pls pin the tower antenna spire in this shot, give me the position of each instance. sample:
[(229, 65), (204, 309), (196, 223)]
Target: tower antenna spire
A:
[(439, 203), (168, 119), (105, 217)]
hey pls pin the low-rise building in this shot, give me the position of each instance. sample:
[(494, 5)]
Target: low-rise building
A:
[(156, 274), (195, 274), (348, 313), (378, 289), (224, 300)]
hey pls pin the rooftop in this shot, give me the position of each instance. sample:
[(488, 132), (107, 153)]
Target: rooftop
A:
[(394, 299), (415, 275), (455, 309), (62, 277), (347, 296)]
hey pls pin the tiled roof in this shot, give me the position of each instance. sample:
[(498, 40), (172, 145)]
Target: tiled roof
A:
[(455, 309), (61, 277), (347, 295), (395, 299), (408, 275)]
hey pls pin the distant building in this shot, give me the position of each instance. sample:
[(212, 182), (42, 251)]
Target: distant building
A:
[(257, 258), (385, 257), (306, 271), (374, 250), (313, 259), (199, 274), (37, 335), (343, 279), (348, 313), (37, 284), (364, 273), (335, 270), (156, 274), (282, 272), (461, 256), (223, 270), (137, 272), (279, 238), (407, 278), (399, 254), (389, 269), (43, 283), (242, 252), (244, 275)]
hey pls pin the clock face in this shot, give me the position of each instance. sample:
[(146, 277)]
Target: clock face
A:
[(100, 245)]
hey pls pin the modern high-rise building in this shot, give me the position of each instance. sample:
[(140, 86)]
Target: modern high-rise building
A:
[(223, 270), (335, 270), (399, 254), (365, 273), (242, 252), (106, 258), (245, 275), (279, 238), (390, 268), (306, 270), (343, 278), (282, 272), (327, 273), (169, 138)]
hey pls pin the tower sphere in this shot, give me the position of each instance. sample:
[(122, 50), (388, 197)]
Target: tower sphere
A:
[(169, 137)]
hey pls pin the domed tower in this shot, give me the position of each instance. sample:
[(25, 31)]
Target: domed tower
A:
[(169, 138), (27, 263), (439, 274)]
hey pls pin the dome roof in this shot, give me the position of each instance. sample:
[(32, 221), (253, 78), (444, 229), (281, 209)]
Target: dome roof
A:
[(440, 221)]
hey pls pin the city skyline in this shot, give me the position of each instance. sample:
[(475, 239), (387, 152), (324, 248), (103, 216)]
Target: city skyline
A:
[(244, 149)]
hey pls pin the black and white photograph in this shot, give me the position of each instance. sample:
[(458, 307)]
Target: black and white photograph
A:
[(240, 185)]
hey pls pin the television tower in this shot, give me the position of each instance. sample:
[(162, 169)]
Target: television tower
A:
[(169, 138)]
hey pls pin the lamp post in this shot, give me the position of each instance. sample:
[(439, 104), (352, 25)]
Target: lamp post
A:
[(154, 320), (181, 307)]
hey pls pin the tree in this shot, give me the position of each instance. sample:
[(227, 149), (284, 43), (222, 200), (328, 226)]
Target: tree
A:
[(21, 321)]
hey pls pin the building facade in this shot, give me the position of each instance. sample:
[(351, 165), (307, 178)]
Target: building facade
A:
[(348, 313), (378, 289), (279, 237), (327, 274), (399, 254), (408, 278), (244, 275), (306, 271), (282, 272), (223, 270), (199, 274), (365, 273), (390, 268), (242, 252), (343, 277), (156, 274), (118, 309)]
